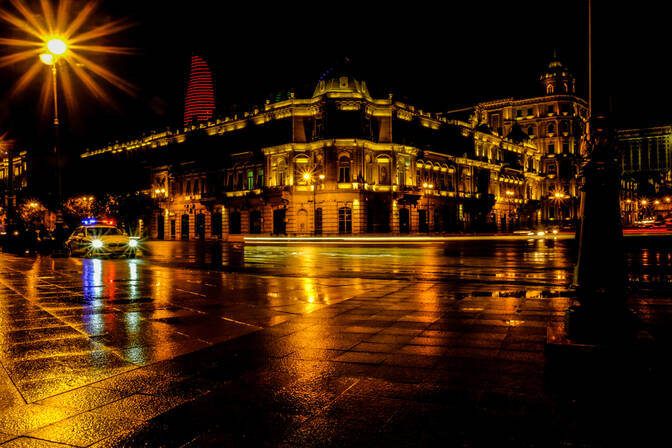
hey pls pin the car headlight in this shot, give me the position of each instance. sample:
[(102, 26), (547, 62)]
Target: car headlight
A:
[(97, 244), (133, 243)]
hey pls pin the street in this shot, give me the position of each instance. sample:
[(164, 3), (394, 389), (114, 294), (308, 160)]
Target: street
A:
[(296, 345)]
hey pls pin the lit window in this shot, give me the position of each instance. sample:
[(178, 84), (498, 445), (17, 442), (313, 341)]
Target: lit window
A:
[(344, 220), (344, 169)]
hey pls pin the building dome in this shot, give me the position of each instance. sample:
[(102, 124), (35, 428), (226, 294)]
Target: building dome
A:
[(344, 85), (557, 80)]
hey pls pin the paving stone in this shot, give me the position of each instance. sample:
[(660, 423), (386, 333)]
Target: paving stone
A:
[(19, 420), (84, 398), (83, 429)]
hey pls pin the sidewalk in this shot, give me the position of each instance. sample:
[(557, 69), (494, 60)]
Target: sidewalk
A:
[(402, 364)]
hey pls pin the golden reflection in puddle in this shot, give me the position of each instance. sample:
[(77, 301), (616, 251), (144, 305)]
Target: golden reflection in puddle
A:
[(469, 309), (514, 322), (133, 279), (162, 285)]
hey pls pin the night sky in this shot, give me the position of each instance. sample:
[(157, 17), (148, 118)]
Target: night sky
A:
[(437, 59)]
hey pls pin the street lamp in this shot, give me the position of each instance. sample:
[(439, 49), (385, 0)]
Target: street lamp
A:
[(509, 195), (310, 179), (56, 48)]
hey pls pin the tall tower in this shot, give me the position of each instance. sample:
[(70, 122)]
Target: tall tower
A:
[(557, 80), (200, 101)]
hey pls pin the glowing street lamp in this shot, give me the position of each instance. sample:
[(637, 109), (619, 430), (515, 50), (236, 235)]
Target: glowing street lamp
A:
[(310, 179), (55, 47)]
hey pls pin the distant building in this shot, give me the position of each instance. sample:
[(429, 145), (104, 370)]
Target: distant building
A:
[(554, 123), (13, 177), (646, 155), (338, 162), (200, 101)]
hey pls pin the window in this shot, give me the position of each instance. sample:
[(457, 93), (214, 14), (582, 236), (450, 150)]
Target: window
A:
[(519, 113), (549, 109), (384, 163), (564, 127), (530, 131), (260, 178), (281, 172), (250, 180), (344, 169), (551, 128), (344, 220), (196, 187), (565, 148), (551, 148), (549, 89), (187, 190), (530, 112)]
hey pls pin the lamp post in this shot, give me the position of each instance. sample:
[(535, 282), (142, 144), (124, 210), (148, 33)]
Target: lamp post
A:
[(56, 48), (509, 195), (427, 186), (311, 180)]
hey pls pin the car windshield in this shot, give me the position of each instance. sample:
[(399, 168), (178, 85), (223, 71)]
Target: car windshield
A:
[(104, 231)]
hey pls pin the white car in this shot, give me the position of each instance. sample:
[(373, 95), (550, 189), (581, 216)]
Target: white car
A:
[(100, 239)]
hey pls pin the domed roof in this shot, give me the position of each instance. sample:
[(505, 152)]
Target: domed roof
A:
[(342, 85), (556, 68)]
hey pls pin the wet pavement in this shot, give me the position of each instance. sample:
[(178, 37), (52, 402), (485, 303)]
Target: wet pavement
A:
[(240, 345)]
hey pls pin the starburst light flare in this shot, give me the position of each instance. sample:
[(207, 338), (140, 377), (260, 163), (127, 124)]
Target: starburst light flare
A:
[(54, 37)]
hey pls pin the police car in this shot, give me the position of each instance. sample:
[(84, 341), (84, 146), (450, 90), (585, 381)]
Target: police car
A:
[(100, 237)]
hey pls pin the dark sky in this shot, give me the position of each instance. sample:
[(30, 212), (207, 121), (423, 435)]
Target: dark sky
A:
[(436, 58)]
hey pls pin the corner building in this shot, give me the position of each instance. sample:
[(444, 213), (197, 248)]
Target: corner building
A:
[(339, 162), (555, 123)]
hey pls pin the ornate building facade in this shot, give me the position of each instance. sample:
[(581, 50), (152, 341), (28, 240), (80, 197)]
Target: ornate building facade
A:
[(338, 162), (13, 178), (646, 155), (555, 124)]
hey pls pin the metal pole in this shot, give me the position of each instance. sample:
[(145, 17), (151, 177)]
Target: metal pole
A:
[(590, 59), (56, 135)]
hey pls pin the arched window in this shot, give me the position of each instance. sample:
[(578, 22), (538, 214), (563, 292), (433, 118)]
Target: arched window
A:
[(549, 89), (344, 169), (564, 127), (384, 177), (551, 128)]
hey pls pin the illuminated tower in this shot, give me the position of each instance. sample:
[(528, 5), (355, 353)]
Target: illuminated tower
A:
[(557, 80), (200, 101)]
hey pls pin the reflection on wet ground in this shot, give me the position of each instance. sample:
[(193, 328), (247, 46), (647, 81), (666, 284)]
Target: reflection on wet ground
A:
[(540, 261), (294, 344)]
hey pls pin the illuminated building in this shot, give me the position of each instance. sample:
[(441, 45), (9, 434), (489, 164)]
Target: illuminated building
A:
[(646, 155), (338, 162), (13, 177), (200, 101), (554, 123)]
